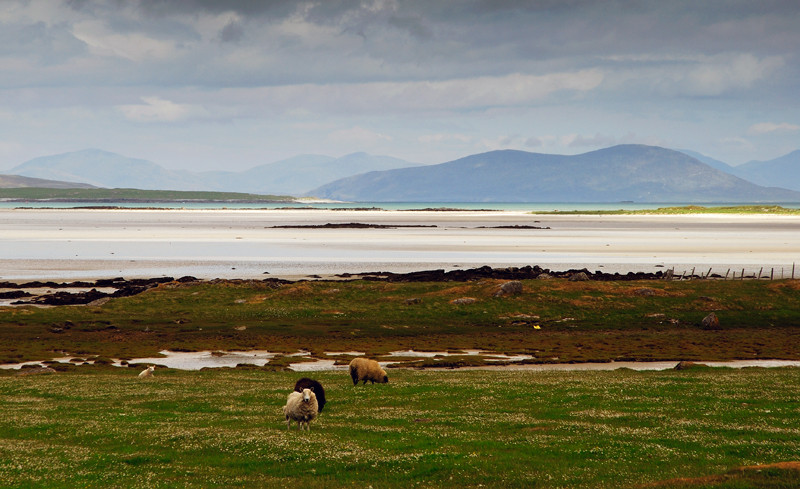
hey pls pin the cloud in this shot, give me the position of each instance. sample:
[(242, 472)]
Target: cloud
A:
[(133, 46), (771, 127), (443, 138), (579, 141), (401, 75), (359, 136), (722, 73), (156, 109), (692, 76), (232, 32), (467, 94)]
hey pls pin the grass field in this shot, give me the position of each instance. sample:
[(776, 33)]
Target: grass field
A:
[(553, 320), (103, 427), (100, 426), (695, 209)]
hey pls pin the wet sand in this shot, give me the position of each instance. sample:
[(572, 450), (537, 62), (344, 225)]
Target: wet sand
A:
[(70, 244)]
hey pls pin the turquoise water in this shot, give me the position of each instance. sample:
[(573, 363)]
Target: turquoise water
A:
[(511, 206)]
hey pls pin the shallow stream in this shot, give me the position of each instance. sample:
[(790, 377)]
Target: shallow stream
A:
[(208, 359)]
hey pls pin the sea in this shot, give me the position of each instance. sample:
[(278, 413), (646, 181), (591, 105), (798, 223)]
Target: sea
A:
[(389, 206)]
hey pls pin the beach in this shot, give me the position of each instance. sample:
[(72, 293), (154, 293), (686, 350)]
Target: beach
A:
[(73, 244)]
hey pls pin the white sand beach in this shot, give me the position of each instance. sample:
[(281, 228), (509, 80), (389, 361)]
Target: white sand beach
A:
[(70, 244)]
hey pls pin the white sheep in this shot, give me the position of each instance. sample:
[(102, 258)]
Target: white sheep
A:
[(148, 372), (301, 407)]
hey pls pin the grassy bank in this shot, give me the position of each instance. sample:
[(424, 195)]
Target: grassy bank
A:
[(96, 427), (553, 320), (692, 209)]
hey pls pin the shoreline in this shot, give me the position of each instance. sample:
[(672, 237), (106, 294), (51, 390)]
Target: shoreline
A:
[(70, 244)]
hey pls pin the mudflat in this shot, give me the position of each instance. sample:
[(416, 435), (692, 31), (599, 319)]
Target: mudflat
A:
[(56, 244)]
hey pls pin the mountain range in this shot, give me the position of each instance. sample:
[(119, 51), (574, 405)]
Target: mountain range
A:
[(636, 173), (621, 173), (293, 176)]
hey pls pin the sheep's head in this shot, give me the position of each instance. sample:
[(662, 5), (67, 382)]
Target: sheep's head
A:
[(151, 368), (306, 395)]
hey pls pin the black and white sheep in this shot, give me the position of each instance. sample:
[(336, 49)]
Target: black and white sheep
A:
[(300, 407), (316, 387), (366, 369)]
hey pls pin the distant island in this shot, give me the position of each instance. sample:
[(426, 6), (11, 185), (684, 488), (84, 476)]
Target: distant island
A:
[(625, 173), (104, 195)]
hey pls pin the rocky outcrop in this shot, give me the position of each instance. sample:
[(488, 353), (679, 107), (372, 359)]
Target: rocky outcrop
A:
[(464, 300), (509, 288), (511, 273), (124, 288)]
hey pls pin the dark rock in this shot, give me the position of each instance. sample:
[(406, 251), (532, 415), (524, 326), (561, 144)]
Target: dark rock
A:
[(645, 292), (579, 277), (512, 273), (15, 294), (464, 300), (509, 288), (413, 300)]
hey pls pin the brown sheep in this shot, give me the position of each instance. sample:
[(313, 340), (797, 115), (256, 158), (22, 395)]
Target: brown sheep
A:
[(366, 369)]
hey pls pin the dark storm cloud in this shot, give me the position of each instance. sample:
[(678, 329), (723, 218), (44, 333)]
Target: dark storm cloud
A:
[(232, 32), (557, 74), (437, 40)]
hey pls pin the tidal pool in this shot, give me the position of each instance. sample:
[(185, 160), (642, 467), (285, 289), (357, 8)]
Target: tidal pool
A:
[(217, 359)]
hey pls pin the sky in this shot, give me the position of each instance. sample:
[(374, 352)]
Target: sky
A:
[(206, 84)]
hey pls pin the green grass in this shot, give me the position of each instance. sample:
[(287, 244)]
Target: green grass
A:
[(577, 321), (129, 194), (93, 427), (692, 209)]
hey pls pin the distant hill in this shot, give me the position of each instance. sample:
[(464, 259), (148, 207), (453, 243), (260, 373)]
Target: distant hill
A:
[(17, 181), (294, 176), (105, 169), (621, 173), (112, 195), (780, 172), (300, 174), (719, 165)]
